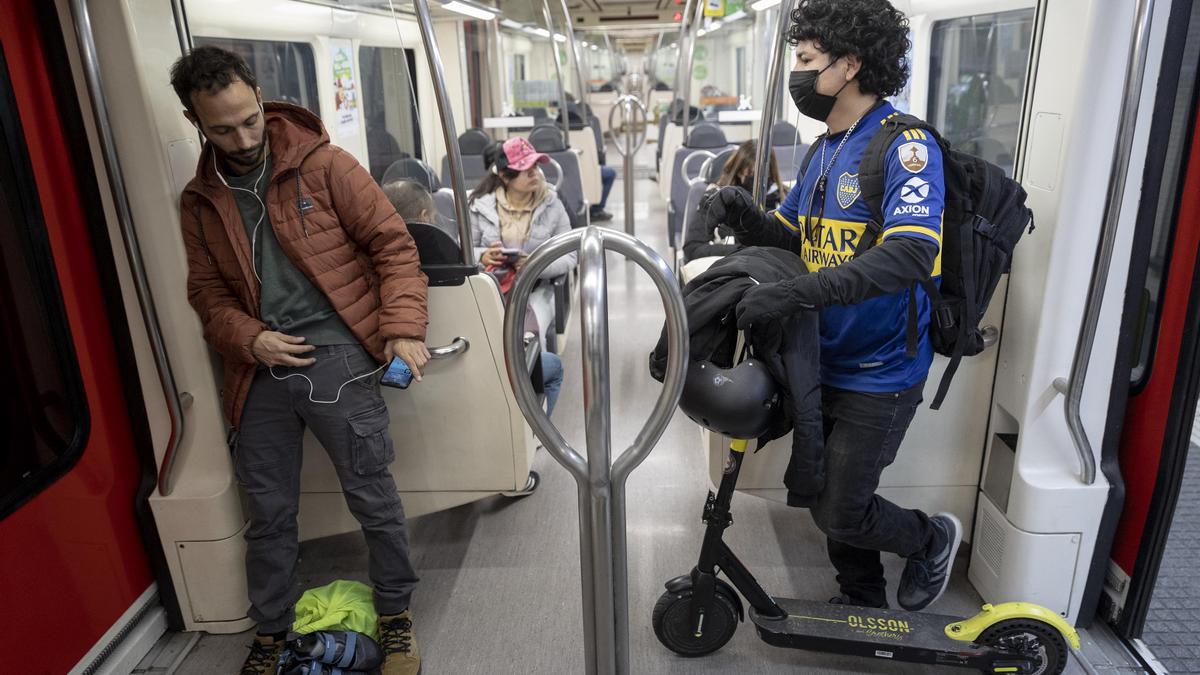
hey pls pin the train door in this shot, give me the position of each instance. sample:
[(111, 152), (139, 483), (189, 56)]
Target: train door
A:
[(1150, 590), (75, 566)]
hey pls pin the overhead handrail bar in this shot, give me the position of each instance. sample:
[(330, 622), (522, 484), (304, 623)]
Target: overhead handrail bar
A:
[(86, 39), (601, 485), (449, 133), (628, 104), (771, 103), (1113, 200)]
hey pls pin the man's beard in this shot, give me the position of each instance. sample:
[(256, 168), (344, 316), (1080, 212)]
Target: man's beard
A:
[(246, 160)]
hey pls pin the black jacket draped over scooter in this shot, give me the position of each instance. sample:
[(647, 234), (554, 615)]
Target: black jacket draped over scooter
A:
[(790, 348)]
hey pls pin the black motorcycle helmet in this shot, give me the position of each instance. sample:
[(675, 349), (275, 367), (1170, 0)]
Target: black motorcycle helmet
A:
[(739, 402)]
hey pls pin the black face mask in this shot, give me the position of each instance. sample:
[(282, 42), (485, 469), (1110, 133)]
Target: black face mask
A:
[(802, 85)]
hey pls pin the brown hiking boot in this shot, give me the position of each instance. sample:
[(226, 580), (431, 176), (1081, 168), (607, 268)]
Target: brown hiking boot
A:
[(399, 644), (264, 656)]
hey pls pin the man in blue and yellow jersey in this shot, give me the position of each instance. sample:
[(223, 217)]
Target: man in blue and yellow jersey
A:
[(875, 348)]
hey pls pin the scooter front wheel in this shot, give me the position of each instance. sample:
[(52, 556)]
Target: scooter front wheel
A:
[(673, 627), (1029, 636)]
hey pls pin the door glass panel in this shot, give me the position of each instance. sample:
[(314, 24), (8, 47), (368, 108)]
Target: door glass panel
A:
[(43, 412), (977, 82)]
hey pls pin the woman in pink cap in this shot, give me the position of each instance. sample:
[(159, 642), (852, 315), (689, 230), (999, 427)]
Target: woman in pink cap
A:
[(514, 210)]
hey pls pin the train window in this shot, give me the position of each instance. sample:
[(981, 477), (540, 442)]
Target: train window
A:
[(390, 106), (285, 70), (977, 81), (43, 409)]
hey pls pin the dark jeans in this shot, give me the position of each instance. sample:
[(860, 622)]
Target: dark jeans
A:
[(267, 455), (862, 433), (607, 176)]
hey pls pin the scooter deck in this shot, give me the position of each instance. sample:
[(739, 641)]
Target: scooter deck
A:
[(875, 633)]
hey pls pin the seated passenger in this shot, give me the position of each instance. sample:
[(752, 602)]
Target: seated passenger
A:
[(700, 241), (415, 205), (513, 211)]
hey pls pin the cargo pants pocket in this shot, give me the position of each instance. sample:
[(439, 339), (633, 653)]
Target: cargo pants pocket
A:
[(371, 443)]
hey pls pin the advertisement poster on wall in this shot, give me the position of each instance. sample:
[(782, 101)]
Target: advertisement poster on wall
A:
[(345, 87)]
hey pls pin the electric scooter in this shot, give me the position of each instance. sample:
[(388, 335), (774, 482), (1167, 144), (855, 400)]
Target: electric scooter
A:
[(699, 613)]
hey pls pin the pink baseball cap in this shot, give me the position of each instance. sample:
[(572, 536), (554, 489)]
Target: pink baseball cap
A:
[(519, 155)]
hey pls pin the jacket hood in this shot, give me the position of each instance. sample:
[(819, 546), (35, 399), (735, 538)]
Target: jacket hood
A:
[(292, 134), (485, 205)]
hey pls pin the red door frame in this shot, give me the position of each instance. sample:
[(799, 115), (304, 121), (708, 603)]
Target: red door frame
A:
[(73, 560)]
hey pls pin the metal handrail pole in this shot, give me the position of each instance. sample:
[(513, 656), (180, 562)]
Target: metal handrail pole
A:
[(691, 63), (562, 86), (597, 416), (578, 53), (603, 548), (771, 104), (679, 58), (660, 417), (449, 132), (627, 179), (1113, 201), (86, 40)]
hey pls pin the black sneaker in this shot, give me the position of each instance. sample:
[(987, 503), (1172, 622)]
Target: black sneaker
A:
[(847, 600), (925, 579), (601, 216)]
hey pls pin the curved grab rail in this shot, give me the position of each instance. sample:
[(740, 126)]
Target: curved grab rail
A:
[(558, 175), (601, 485), (86, 39), (458, 346), (1114, 198), (627, 103), (683, 168)]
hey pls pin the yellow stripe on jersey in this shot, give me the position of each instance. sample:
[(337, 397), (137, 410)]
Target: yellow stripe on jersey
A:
[(787, 223), (908, 135), (919, 229), (920, 134)]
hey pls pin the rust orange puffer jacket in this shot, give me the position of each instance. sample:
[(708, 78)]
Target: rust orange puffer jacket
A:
[(332, 221)]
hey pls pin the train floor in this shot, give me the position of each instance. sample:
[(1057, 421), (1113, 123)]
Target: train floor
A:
[(500, 585)]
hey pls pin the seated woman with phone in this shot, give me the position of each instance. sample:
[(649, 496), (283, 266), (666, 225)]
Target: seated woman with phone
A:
[(513, 211)]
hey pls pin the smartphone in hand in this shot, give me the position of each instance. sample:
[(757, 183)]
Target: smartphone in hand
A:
[(511, 255), (397, 375)]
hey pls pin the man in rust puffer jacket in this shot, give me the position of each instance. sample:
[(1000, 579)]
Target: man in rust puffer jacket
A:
[(307, 283)]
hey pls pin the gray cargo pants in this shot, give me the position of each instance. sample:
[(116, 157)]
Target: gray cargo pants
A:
[(267, 456)]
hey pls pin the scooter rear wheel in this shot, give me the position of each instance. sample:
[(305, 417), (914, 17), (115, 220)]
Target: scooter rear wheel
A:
[(1022, 635), (673, 627)]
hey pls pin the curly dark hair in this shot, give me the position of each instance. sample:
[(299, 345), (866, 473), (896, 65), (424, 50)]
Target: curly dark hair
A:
[(210, 69), (873, 30)]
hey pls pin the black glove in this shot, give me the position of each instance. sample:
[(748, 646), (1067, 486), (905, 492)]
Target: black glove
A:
[(770, 302), (725, 206), (734, 208)]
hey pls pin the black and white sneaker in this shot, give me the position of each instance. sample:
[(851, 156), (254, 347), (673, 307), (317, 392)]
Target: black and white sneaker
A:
[(925, 579), (847, 600)]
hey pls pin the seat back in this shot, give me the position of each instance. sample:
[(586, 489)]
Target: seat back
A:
[(790, 159), (434, 245), (412, 169), (691, 206), (547, 138), (473, 141), (583, 142), (473, 170), (447, 217), (702, 136), (454, 443), (788, 148)]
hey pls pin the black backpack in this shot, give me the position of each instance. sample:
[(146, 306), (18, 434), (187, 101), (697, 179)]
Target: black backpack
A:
[(985, 216)]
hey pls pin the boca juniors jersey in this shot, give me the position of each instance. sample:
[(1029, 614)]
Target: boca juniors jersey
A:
[(863, 346)]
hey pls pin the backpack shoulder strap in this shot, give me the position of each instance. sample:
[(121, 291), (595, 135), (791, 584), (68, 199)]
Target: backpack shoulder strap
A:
[(871, 168), (808, 155)]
